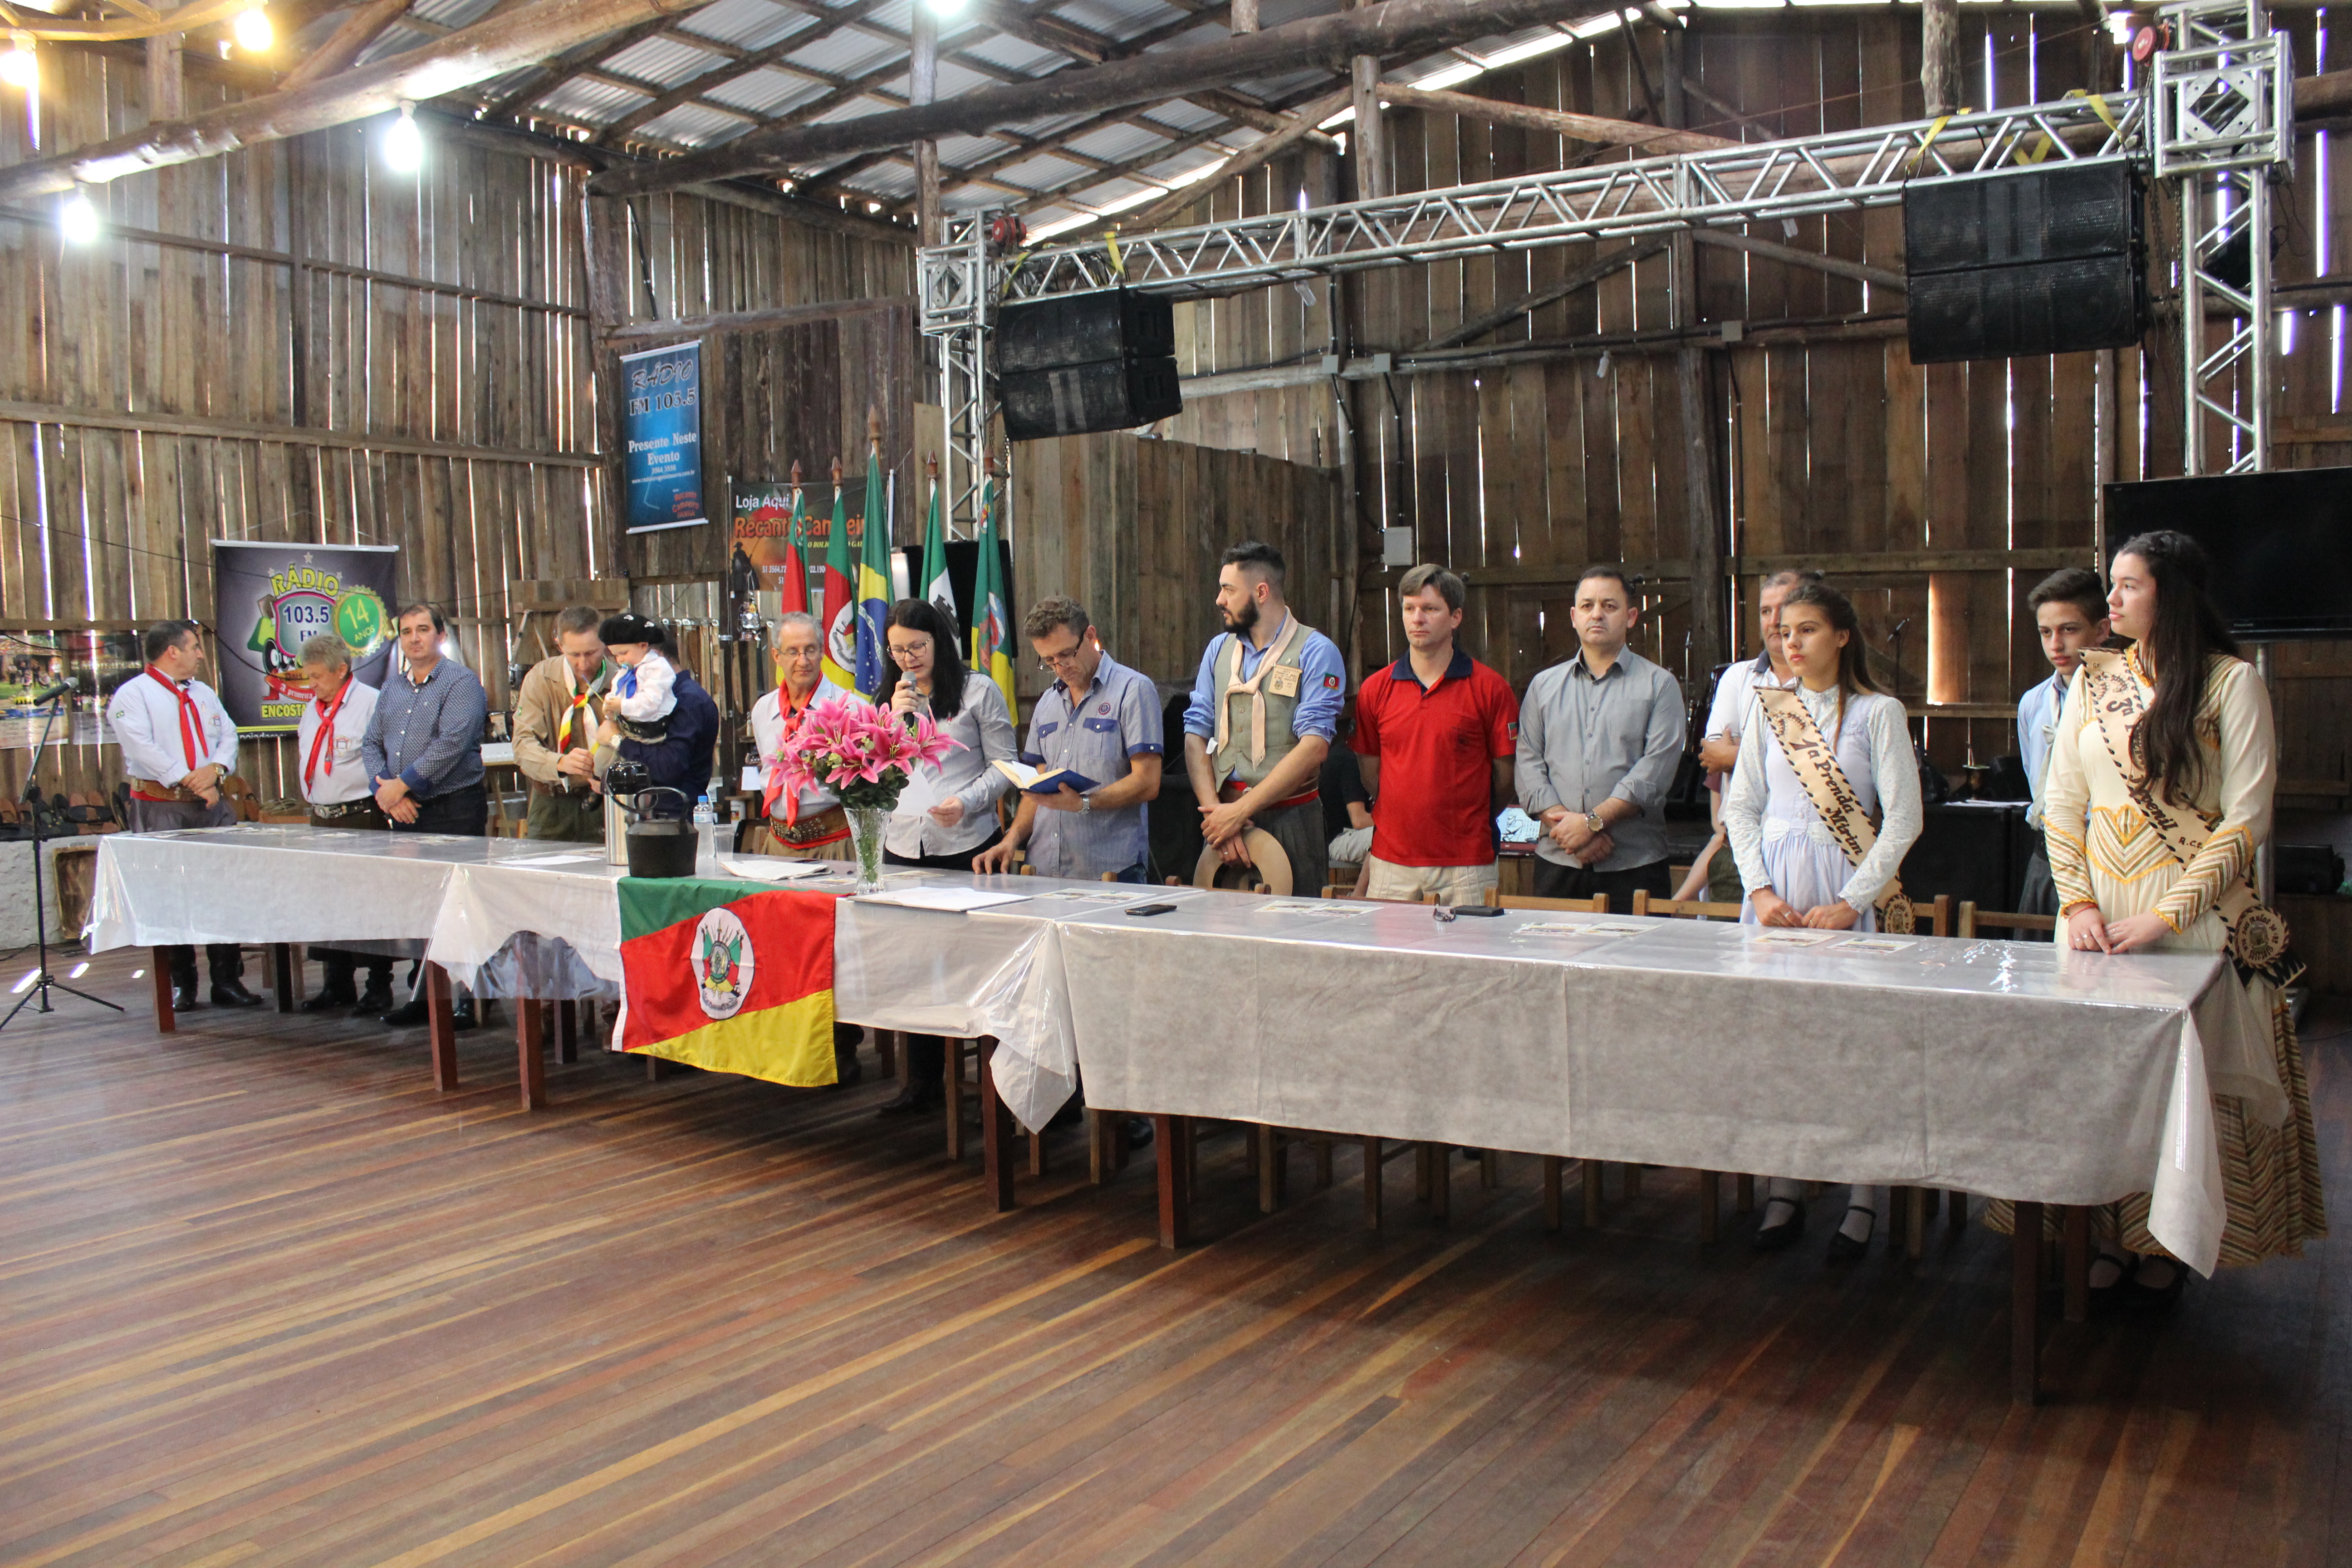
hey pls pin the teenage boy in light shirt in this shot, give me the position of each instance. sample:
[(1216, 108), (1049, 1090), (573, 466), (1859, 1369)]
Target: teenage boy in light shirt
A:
[(2070, 612), (1436, 732)]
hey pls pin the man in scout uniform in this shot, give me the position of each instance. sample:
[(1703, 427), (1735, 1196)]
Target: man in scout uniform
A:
[(810, 826), (555, 722), (178, 744), (1264, 707), (335, 785)]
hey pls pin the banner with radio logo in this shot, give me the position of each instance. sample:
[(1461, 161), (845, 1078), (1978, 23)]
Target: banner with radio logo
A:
[(270, 599)]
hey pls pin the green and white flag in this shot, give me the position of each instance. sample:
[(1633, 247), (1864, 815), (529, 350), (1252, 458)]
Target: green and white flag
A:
[(935, 586)]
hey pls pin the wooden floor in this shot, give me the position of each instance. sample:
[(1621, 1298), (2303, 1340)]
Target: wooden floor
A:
[(266, 1299)]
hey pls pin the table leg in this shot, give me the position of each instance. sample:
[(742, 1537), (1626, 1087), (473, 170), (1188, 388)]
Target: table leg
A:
[(284, 978), (1743, 1194), (1098, 1155), (995, 1132), (955, 1049), (2075, 1227), (1272, 1162), (1592, 1193), (439, 1029), (1710, 1202), (567, 1032), (1373, 1166), (1172, 1138), (1441, 1182), (1037, 1152), (1915, 1235), (1420, 1177), (531, 1034), (1489, 1169), (159, 960), (1956, 1215), (2025, 1305), (885, 1049), (1552, 1165), (1633, 1180)]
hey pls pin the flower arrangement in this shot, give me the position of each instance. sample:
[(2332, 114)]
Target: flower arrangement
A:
[(861, 752)]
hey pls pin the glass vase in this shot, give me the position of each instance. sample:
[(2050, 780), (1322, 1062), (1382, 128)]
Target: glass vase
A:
[(866, 826)]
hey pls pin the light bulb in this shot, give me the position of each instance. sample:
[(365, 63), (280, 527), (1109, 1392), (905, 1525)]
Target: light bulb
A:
[(18, 68), (945, 7), (404, 144), (253, 32), (77, 218)]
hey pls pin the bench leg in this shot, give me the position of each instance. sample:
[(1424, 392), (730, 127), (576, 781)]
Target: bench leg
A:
[(2025, 1306), (167, 1020), (1373, 1164), (996, 1133), (1172, 1139), (440, 1032), (530, 1039), (1552, 1165), (567, 1032)]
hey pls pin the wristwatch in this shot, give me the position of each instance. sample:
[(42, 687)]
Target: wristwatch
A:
[(1593, 822), (1086, 803)]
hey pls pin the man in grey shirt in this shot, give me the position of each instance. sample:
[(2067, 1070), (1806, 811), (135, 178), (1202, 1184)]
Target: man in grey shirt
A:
[(1100, 721), (1600, 737)]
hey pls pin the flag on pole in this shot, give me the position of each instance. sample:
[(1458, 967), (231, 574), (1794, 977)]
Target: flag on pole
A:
[(873, 578), (992, 629), (794, 597), (734, 981), (935, 586), (840, 596)]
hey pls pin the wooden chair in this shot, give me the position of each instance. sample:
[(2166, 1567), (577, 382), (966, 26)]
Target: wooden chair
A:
[(1683, 908), (1598, 904), (1971, 917)]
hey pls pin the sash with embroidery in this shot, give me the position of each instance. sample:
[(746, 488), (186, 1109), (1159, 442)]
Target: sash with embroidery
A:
[(2258, 933), (1811, 758)]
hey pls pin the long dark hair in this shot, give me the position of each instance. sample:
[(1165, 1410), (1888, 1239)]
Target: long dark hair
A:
[(1854, 658), (2188, 630), (947, 659)]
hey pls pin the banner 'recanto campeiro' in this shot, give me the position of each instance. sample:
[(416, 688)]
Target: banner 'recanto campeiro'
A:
[(268, 599)]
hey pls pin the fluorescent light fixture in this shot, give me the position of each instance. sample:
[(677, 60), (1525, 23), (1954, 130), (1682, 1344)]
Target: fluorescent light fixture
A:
[(1529, 50), (1438, 80), (1593, 27), (252, 31), (18, 66), (403, 143), (78, 218)]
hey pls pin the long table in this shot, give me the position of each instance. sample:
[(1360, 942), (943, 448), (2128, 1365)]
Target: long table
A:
[(2018, 1070)]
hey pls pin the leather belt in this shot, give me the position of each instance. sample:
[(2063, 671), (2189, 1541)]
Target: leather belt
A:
[(537, 787), (330, 810), (1234, 789), (817, 828), (149, 789)]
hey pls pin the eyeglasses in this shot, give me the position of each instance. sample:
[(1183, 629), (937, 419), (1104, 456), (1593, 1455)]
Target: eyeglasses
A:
[(1054, 663), (903, 654)]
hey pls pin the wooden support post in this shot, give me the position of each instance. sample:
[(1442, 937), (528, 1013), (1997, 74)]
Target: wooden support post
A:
[(282, 976), (531, 1049), (1552, 1165), (1374, 1164), (1710, 1205), (167, 1021), (995, 1132), (1173, 1136), (1273, 1165), (1939, 69), (1592, 1193), (567, 1032), (2025, 1306), (440, 1032), (923, 86), (166, 84), (2074, 1229)]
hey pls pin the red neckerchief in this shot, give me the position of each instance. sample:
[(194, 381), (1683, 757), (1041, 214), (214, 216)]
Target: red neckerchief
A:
[(580, 700), (324, 740), (191, 722), (792, 718)]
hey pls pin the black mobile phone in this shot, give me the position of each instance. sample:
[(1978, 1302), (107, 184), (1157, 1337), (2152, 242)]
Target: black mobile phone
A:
[(1141, 909), (1479, 910)]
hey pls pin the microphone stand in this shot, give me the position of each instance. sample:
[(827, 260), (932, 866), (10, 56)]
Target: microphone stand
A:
[(44, 981)]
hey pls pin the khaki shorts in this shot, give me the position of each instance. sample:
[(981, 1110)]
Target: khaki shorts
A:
[(1452, 884)]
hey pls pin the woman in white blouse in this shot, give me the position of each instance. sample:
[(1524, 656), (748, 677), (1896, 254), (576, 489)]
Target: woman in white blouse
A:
[(1791, 864), (952, 815)]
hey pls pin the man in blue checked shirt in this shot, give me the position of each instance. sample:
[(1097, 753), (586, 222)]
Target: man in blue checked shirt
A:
[(422, 750), (1100, 721)]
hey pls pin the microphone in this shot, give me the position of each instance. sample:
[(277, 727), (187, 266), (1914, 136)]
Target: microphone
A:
[(50, 694)]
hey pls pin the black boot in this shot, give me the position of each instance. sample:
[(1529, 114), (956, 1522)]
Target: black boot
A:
[(184, 993), (847, 1070), (336, 990), (376, 998), (462, 1015), (408, 1014), (920, 1094), (228, 978)]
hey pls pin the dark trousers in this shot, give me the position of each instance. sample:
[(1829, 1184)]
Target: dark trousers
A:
[(342, 966), (570, 817), (462, 811), (2038, 896), (222, 958), (1556, 881), (927, 1054)]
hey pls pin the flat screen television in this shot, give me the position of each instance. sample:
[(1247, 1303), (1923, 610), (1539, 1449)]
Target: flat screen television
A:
[(2281, 543)]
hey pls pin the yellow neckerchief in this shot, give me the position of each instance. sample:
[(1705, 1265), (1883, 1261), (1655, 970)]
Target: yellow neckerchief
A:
[(578, 704)]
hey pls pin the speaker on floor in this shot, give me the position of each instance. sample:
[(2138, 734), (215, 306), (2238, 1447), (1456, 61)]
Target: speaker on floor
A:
[(1107, 395), (1083, 329), (2027, 261)]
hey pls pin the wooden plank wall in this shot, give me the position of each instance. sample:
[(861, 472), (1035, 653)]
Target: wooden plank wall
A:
[(1133, 529), (1833, 445), (310, 347)]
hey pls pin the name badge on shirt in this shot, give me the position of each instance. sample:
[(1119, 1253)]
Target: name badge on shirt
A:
[(1283, 681)]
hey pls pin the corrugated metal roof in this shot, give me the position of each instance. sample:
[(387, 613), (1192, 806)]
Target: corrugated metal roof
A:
[(751, 24), (664, 60), (767, 93), (693, 125), (595, 102)]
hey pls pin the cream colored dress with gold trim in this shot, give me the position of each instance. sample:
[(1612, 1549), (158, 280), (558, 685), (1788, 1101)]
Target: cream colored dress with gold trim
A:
[(2104, 852)]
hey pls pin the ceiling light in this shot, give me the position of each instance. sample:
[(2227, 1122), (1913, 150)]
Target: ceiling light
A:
[(945, 7), (253, 32), (17, 67), (404, 144), (78, 218)]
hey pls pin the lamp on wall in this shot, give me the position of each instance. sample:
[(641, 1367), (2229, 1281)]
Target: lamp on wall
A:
[(252, 31), (403, 143), (78, 218), (18, 66)]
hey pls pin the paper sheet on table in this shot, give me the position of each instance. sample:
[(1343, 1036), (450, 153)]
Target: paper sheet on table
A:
[(946, 897), (769, 869), (573, 858)]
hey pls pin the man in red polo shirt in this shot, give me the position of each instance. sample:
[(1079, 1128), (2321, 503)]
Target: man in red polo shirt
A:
[(1436, 731)]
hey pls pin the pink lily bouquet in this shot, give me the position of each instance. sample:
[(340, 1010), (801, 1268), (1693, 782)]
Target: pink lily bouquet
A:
[(861, 752)]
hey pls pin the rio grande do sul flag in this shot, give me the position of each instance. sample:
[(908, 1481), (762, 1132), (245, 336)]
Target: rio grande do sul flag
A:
[(728, 979)]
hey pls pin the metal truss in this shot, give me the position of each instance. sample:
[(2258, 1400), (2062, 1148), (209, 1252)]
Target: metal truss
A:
[(2224, 130), (953, 278)]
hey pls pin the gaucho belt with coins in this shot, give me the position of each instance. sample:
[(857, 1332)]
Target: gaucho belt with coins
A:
[(817, 828)]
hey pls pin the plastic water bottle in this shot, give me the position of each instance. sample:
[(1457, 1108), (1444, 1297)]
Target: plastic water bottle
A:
[(705, 835)]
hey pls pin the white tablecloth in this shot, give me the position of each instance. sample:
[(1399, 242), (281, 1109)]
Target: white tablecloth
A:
[(259, 883), (2021, 1070)]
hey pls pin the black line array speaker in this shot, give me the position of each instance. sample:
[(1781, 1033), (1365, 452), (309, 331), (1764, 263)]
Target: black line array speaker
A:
[(2027, 261), (1077, 362)]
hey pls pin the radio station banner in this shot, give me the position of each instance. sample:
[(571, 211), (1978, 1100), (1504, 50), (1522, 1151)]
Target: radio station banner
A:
[(271, 598), (661, 437)]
